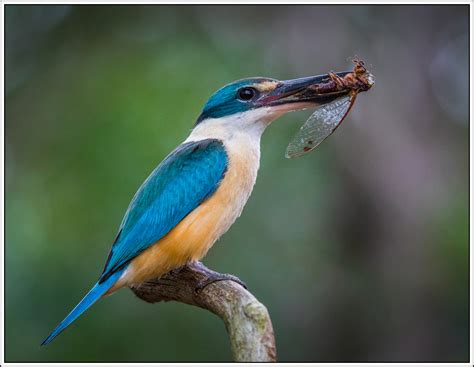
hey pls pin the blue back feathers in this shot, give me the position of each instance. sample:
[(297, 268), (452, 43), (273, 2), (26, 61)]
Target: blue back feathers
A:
[(176, 187), (225, 101)]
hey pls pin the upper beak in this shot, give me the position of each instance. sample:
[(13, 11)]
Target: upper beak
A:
[(301, 93)]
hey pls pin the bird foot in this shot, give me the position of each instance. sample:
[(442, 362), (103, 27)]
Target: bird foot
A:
[(217, 277), (212, 276)]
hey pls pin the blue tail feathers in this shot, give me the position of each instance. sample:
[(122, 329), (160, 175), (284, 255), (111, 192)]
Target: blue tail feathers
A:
[(97, 291)]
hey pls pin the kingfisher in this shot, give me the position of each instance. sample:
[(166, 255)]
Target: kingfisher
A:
[(197, 192)]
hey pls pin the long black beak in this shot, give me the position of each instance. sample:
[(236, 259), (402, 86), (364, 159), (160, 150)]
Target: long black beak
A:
[(312, 89)]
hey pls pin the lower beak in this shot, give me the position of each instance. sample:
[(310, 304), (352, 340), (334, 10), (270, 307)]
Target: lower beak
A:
[(297, 94)]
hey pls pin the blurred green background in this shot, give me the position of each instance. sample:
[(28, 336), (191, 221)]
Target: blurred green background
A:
[(359, 250)]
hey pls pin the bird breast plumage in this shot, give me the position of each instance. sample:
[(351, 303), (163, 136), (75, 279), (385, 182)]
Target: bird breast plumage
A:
[(199, 230)]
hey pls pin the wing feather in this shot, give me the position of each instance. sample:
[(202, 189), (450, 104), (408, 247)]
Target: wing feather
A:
[(176, 187)]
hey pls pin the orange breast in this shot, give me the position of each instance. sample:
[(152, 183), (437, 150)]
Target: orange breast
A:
[(189, 240), (199, 230)]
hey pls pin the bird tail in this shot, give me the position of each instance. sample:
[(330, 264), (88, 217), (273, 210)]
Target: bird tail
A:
[(97, 291)]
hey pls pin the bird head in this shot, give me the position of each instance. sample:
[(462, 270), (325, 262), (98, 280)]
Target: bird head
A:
[(251, 101)]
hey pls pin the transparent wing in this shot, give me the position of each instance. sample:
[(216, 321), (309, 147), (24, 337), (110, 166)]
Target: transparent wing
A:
[(319, 126)]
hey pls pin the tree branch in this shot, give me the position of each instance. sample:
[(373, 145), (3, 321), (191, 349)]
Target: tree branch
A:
[(247, 321)]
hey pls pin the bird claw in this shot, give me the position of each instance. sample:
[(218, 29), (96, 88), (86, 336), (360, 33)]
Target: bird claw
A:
[(211, 276), (217, 277)]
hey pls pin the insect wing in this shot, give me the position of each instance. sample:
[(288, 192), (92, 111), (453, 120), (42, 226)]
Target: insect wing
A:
[(322, 123)]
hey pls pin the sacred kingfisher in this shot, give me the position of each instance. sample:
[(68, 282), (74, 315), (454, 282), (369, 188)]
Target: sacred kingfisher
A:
[(199, 190)]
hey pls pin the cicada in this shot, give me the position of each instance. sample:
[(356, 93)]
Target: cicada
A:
[(328, 117)]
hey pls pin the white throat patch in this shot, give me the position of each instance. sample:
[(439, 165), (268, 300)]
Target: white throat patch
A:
[(250, 123)]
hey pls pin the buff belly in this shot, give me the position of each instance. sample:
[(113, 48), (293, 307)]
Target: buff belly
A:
[(198, 231)]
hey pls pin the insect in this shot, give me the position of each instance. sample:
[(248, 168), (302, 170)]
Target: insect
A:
[(328, 117)]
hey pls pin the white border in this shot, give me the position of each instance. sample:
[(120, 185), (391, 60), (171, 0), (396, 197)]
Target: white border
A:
[(243, 2)]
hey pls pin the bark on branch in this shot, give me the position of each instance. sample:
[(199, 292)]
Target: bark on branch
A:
[(247, 321)]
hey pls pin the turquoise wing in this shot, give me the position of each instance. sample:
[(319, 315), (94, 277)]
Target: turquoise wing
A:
[(185, 178)]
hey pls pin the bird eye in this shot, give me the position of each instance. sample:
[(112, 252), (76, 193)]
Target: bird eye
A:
[(246, 94)]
